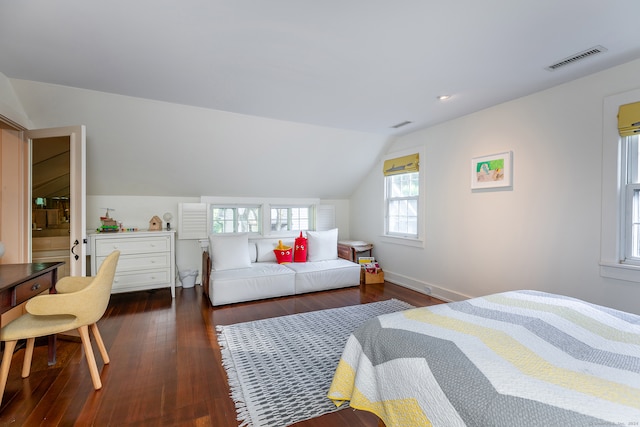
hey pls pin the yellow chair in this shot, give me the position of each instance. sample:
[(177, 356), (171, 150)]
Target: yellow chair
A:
[(79, 303)]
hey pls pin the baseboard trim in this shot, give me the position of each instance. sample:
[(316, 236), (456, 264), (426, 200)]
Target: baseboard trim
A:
[(424, 287)]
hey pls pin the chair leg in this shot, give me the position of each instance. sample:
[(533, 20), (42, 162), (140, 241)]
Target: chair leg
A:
[(100, 343), (28, 356), (9, 347), (91, 360)]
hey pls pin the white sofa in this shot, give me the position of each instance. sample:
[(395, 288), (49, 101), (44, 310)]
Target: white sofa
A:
[(238, 269)]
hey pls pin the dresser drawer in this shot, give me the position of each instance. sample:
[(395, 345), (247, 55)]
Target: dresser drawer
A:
[(127, 280), (133, 246), (148, 261), (31, 288)]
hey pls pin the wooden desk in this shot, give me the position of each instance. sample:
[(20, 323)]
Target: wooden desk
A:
[(19, 283)]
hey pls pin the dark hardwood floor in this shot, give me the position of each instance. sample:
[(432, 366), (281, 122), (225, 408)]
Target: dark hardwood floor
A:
[(165, 365)]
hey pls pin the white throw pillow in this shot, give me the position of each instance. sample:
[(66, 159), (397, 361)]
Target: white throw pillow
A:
[(265, 251), (229, 251), (322, 245)]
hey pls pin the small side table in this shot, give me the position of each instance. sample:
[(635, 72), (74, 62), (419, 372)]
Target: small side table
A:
[(350, 249)]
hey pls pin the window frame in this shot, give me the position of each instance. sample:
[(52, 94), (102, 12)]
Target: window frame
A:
[(402, 239), (614, 213), (629, 167)]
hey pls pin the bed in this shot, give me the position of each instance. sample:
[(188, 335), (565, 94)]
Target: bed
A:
[(521, 358)]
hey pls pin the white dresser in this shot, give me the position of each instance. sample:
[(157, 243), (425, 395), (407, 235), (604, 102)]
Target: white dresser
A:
[(147, 259)]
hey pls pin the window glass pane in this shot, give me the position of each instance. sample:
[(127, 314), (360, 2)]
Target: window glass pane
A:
[(222, 220), (635, 225), (300, 218), (633, 162), (414, 191), (290, 218), (248, 220), (236, 219), (279, 219), (402, 193)]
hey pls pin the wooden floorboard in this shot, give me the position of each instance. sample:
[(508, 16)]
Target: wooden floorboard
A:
[(165, 365)]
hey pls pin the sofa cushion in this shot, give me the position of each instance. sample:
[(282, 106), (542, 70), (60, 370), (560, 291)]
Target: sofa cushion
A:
[(229, 251), (322, 275), (322, 245), (262, 280)]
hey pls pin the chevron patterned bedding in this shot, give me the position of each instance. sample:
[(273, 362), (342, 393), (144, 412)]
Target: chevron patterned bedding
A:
[(521, 358)]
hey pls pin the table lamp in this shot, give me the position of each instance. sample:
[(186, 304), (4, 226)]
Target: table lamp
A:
[(168, 217)]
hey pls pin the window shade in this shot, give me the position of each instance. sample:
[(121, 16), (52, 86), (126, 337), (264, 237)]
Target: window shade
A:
[(405, 164), (629, 119)]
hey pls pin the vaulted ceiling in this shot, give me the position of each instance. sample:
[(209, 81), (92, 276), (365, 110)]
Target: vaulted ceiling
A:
[(362, 65)]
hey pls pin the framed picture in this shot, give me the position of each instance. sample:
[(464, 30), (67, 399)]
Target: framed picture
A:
[(494, 171)]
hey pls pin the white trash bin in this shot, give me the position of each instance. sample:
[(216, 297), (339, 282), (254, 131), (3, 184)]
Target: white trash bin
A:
[(188, 278)]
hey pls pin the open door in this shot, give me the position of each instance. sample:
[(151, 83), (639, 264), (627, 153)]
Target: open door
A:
[(57, 192)]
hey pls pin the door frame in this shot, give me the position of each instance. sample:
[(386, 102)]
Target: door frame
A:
[(78, 202)]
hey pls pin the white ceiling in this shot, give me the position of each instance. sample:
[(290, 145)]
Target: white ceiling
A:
[(352, 64)]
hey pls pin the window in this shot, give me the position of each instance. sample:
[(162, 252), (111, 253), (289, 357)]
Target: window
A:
[(236, 219), (402, 196), (620, 232), (631, 202), (290, 218), (267, 217)]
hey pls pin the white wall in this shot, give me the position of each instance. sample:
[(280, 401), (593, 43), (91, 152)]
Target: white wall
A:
[(10, 106), (142, 147), (544, 233)]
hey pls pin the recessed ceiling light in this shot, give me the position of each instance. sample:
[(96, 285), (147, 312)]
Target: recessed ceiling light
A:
[(444, 97)]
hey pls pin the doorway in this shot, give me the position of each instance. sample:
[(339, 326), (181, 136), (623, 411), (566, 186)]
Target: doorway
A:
[(57, 192), (51, 201)]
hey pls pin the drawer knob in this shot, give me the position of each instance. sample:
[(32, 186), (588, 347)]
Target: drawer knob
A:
[(35, 286)]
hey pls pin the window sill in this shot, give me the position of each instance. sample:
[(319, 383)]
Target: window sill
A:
[(627, 272), (405, 241)]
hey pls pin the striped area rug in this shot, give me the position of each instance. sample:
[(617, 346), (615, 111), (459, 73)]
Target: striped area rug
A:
[(280, 369)]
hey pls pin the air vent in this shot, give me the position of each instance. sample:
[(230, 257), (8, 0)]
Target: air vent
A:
[(577, 57), (399, 125)]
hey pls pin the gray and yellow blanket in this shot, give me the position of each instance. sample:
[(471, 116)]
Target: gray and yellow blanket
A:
[(522, 358)]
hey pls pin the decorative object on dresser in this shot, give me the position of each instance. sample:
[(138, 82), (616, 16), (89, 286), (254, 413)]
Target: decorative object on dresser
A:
[(168, 217), (299, 352), (147, 259), (155, 224)]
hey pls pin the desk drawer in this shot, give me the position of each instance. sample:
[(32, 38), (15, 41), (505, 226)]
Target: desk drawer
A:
[(133, 245), (31, 288)]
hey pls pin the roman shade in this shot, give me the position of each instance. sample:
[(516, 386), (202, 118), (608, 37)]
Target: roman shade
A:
[(629, 119), (404, 164)]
